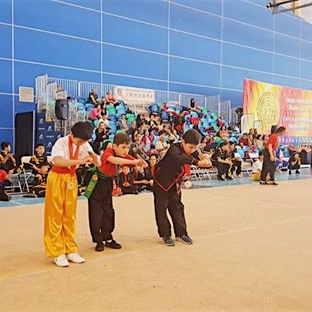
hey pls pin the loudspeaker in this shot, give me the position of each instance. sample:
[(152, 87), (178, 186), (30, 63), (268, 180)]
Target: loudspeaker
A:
[(61, 109)]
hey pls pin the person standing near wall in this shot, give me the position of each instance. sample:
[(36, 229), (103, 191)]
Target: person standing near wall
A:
[(269, 154)]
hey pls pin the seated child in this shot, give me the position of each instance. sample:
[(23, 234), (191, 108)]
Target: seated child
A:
[(38, 159), (294, 163), (139, 178), (126, 182), (257, 168), (40, 181)]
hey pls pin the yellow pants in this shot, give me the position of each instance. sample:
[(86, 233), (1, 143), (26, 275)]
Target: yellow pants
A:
[(60, 214), (255, 176)]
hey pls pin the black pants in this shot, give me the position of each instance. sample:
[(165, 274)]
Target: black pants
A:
[(237, 166), (170, 201), (268, 166), (295, 166), (222, 168), (101, 211)]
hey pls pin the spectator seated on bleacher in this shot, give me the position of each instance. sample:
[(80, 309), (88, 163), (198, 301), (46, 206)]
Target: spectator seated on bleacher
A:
[(101, 134), (161, 145), (93, 98), (95, 114), (122, 123), (110, 99)]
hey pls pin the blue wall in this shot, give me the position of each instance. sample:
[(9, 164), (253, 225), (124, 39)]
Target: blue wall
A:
[(194, 46)]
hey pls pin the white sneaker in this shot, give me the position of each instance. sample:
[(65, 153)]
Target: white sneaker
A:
[(75, 257), (241, 175), (61, 261)]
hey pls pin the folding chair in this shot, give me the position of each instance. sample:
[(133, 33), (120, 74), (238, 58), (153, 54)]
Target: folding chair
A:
[(16, 184), (27, 171)]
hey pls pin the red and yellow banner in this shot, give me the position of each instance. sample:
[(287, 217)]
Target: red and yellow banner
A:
[(267, 104)]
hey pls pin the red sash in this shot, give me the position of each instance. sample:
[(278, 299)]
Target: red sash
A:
[(72, 169)]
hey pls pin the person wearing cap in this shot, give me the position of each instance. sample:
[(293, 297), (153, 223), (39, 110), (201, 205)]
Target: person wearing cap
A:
[(168, 176)]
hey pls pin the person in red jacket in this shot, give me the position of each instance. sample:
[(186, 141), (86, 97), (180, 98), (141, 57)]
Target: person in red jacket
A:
[(269, 153)]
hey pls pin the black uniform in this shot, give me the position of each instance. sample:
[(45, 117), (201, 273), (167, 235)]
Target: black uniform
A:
[(168, 176), (222, 168)]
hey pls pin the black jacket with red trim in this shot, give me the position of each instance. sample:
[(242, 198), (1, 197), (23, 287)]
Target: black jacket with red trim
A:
[(170, 169)]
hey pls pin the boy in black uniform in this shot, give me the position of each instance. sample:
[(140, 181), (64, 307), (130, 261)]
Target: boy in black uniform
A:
[(220, 160), (168, 176), (38, 159)]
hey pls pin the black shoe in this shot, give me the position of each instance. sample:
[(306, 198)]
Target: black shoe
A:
[(289, 172), (263, 183), (297, 172), (168, 241), (112, 244), (229, 178), (221, 179), (99, 247)]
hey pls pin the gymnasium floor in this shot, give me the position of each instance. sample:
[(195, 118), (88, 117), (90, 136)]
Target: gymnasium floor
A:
[(251, 252)]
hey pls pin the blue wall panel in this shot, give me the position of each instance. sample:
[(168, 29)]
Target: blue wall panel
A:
[(235, 96), (68, 19), (306, 70), (6, 135), (91, 4), (25, 74), (129, 33), (286, 66), (154, 12), (306, 50), (233, 78), (6, 109), (247, 35), (306, 32), (56, 50), (136, 63), (135, 82), (286, 81), (6, 11), (197, 48), (194, 89), (246, 12), (247, 58), (194, 72), (5, 76), (287, 24), (305, 84), (287, 45), (5, 41), (211, 6), (195, 22)]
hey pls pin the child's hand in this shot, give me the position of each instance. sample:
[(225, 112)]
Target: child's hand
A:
[(142, 163), (87, 160), (95, 158), (204, 163)]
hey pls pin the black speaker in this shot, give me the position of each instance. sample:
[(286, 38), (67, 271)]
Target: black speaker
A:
[(61, 109)]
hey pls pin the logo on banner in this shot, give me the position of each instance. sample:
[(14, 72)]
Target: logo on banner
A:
[(49, 144), (40, 137), (41, 121), (50, 128)]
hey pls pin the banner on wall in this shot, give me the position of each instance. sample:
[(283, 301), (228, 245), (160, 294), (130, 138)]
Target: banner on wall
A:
[(268, 104), (134, 95)]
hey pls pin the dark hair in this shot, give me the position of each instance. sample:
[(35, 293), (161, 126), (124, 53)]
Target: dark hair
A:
[(105, 143), (4, 145), (192, 137), (223, 143), (82, 130), (121, 138), (280, 129), (38, 145), (260, 153)]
